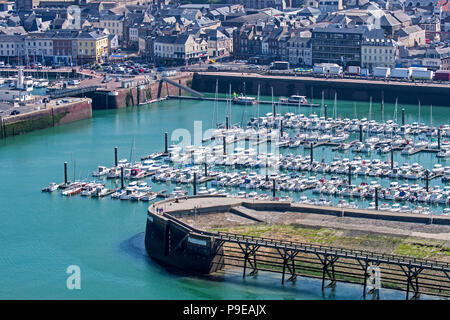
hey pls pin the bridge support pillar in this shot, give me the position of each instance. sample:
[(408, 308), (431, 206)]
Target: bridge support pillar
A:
[(328, 270), (249, 251), (412, 284)]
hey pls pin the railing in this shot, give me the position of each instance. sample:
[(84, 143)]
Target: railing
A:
[(341, 252)]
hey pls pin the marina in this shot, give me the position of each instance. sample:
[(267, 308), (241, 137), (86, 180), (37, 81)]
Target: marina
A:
[(99, 226), (238, 154)]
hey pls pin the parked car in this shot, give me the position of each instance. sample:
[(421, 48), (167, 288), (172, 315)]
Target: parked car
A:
[(14, 112)]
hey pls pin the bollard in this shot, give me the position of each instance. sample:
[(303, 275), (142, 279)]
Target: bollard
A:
[(376, 198), (349, 174), (224, 146), (121, 178), (439, 139), (403, 116), (312, 153), (195, 183), (165, 143), (267, 170), (427, 178), (360, 133), (115, 156), (227, 124), (392, 159), (273, 188), (65, 172)]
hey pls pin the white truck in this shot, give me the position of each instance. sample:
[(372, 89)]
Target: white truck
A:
[(381, 72), (169, 73), (401, 73), (354, 70), (421, 74), (327, 68)]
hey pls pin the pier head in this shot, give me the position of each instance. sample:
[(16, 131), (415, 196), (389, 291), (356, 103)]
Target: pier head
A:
[(204, 234)]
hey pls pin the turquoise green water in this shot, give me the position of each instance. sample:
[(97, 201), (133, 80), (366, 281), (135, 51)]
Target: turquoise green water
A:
[(42, 234)]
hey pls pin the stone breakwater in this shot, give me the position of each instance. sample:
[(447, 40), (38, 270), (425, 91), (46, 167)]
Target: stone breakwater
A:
[(52, 115), (138, 94)]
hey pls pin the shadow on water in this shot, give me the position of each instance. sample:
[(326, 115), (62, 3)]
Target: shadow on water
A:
[(264, 284)]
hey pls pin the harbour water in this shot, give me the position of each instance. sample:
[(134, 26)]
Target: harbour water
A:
[(42, 234)]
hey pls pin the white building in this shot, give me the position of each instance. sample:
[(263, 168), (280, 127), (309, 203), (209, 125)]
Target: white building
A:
[(39, 47), (378, 53), (12, 47), (180, 50), (21, 92), (114, 24), (326, 6), (299, 49)]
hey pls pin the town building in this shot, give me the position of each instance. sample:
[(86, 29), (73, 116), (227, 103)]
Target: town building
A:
[(337, 45), (378, 53)]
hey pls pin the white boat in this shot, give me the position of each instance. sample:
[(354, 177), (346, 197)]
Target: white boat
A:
[(51, 187), (101, 171), (241, 99)]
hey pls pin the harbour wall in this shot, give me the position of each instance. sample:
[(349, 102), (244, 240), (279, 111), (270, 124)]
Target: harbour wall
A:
[(137, 95), (345, 89), (179, 246), (51, 116)]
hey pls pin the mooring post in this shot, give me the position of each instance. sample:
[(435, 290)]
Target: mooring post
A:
[(267, 169), (115, 156), (376, 198), (312, 153), (281, 127), (360, 133), (195, 183), (206, 169), (392, 159), (65, 172), (227, 122), (349, 174), (403, 116), (427, 177), (439, 139), (165, 142), (325, 111), (273, 188), (121, 178), (224, 146), (179, 88)]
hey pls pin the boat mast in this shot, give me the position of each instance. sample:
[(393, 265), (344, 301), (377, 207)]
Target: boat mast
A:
[(431, 115), (396, 110), (257, 106), (229, 108), (335, 106), (419, 113), (273, 105), (215, 107), (131, 151), (323, 103)]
